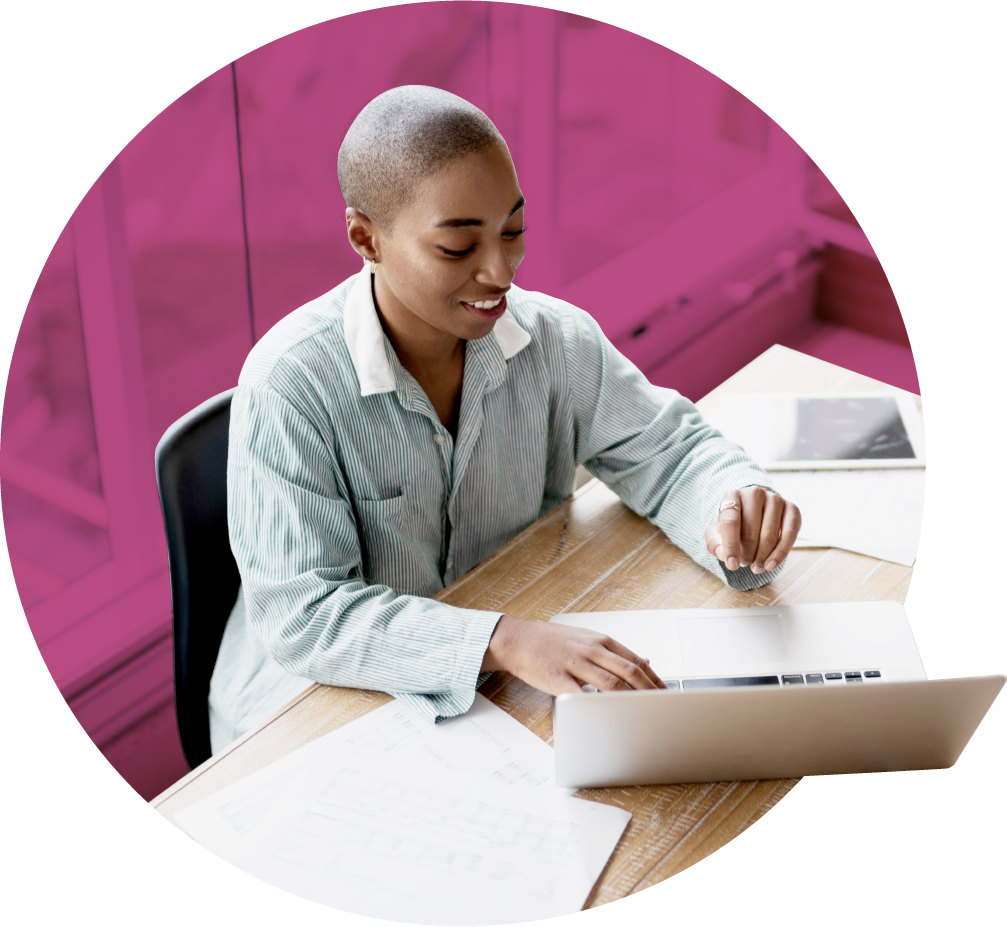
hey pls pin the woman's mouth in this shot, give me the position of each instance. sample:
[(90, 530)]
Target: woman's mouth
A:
[(487, 309)]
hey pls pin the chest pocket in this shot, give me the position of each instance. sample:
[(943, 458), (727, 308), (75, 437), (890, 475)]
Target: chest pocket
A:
[(392, 551)]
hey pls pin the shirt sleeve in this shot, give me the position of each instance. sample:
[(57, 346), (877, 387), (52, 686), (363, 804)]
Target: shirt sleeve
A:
[(651, 446), (294, 537)]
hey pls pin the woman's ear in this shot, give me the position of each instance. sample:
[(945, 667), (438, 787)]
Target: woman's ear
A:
[(361, 233)]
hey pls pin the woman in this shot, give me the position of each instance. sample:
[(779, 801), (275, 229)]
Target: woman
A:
[(392, 433)]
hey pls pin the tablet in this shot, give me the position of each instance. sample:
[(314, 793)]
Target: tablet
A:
[(826, 431)]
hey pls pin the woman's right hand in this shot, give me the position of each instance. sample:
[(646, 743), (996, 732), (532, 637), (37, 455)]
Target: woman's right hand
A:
[(558, 658)]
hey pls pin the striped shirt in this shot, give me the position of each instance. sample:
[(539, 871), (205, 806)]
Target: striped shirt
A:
[(349, 503)]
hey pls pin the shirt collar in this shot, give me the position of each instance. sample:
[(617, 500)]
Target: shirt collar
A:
[(365, 338)]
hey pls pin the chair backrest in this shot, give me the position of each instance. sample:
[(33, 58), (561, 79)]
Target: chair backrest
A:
[(191, 465)]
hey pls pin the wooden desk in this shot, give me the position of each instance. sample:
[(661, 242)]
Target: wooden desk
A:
[(594, 554)]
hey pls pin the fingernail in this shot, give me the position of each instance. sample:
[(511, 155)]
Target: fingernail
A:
[(756, 569), (746, 562), (732, 563), (771, 565)]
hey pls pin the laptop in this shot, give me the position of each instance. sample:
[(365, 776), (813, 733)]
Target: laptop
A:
[(765, 693)]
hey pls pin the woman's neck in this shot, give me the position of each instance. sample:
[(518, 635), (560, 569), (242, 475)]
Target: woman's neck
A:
[(436, 360)]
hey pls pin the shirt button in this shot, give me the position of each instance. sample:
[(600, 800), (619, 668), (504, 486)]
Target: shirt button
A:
[(450, 563), (438, 439)]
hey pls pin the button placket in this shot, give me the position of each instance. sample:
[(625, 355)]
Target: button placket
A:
[(413, 399), (446, 448)]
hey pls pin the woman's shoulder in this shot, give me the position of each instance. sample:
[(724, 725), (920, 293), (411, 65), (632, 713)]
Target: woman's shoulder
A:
[(540, 312), (553, 322)]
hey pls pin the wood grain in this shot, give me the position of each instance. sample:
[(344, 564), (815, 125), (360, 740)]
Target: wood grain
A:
[(593, 554)]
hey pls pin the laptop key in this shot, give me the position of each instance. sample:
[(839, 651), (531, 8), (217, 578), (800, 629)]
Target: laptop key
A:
[(673, 684), (812, 678), (854, 676), (833, 675), (872, 674), (795, 680), (729, 681)]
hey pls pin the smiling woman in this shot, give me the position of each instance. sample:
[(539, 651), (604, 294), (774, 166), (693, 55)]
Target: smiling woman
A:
[(431, 300), (392, 433), (431, 192)]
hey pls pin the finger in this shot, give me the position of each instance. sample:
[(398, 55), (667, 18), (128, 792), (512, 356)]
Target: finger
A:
[(659, 683), (752, 506), (788, 535), (624, 676), (642, 662), (637, 675), (730, 531), (612, 670), (656, 681), (769, 536), (713, 540)]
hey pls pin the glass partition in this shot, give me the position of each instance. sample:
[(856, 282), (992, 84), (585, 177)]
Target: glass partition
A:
[(54, 512), (184, 232), (645, 136)]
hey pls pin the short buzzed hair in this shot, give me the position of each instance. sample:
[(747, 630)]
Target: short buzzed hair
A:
[(401, 137)]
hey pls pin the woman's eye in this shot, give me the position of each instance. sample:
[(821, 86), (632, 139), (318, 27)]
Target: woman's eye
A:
[(509, 236)]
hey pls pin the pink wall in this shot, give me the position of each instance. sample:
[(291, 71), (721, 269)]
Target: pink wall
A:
[(645, 176), (634, 131)]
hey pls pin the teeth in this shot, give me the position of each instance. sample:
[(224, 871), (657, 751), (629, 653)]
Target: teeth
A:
[(487, 303)]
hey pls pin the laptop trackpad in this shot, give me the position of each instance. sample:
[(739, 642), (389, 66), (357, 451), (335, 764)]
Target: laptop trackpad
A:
[(714, 645)]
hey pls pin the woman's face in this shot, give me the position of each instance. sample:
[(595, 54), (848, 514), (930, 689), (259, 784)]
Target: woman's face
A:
[(445, 266)]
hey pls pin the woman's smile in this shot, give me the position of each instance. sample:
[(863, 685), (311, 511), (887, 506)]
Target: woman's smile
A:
[(487, 309)]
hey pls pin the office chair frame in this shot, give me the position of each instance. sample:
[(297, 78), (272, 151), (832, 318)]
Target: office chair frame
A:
[(191, 466)]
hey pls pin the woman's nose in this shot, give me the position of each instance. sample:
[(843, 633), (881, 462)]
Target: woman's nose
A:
[(498, 269)]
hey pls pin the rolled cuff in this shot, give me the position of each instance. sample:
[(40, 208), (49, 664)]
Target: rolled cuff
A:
[(744, 580), (468, 676)]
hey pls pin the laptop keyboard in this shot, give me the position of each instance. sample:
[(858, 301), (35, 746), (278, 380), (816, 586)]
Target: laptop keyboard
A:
[(786, 679)]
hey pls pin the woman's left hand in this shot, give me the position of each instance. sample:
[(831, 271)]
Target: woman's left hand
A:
[(758, 530)]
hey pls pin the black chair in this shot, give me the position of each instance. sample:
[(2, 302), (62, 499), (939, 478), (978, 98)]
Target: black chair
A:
[(191, 465)]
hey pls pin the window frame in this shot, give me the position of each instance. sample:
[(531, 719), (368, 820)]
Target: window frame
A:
[(82, 629)]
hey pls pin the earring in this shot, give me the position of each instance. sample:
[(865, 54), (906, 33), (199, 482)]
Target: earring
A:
[(374, 266)]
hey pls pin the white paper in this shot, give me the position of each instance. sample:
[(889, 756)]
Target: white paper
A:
[(873, 512), (421, 843), (486, 741)]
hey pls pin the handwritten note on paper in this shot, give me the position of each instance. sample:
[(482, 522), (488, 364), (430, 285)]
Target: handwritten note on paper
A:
[(425, 844), (486, 741), (873, 512)]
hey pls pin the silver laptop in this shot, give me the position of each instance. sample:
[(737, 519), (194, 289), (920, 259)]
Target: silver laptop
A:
[(766, 693)]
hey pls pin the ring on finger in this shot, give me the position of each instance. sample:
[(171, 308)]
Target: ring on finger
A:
[(729, 504)]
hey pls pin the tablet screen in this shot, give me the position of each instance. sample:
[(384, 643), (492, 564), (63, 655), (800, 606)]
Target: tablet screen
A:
[(821, 431), (849, 429)]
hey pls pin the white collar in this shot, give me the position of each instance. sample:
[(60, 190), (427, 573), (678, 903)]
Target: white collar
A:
[(366, 339)]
